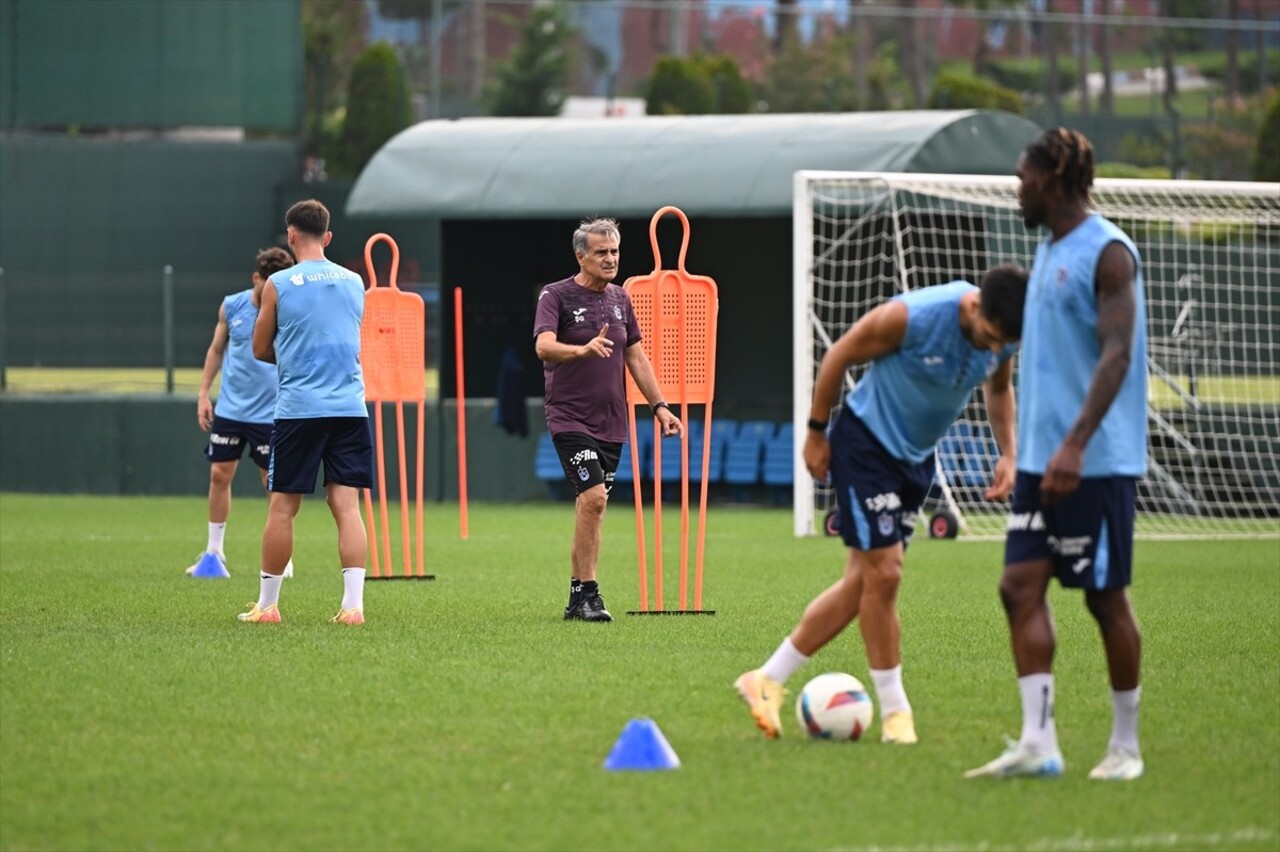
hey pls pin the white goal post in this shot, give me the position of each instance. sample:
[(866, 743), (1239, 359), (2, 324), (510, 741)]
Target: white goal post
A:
[(1211, 267)]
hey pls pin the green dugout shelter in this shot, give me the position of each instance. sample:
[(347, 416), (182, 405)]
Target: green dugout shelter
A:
[(496, 200)]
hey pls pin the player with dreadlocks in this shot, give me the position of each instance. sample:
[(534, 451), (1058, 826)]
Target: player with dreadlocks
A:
[(1082, 429)]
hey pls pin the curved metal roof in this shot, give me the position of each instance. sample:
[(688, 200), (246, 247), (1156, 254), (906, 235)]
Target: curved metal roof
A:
[(737, 165)]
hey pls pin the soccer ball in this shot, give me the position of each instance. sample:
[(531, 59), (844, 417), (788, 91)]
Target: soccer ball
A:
[(834, 706)]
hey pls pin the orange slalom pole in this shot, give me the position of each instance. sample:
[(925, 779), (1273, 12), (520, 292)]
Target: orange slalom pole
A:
[(418, 494), (372, 531), (382, 493), (684, 454), (404, 490), (462, 414), (638, 487)]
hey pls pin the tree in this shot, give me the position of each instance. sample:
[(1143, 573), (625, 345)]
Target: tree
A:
[(1266, 165), (678, 87), (378, 107), (532, 81), (909, 54), (1108, 102), (1233, 52), (1173, 39), (698, 85), (333, 36), (813, 78), (861, 56), (787, 32)]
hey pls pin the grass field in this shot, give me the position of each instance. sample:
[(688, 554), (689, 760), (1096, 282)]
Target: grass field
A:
[(139, 714), (186, 380), (1215, 390)]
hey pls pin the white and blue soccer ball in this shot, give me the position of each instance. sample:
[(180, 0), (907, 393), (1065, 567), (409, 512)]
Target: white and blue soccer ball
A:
[(834, 706)]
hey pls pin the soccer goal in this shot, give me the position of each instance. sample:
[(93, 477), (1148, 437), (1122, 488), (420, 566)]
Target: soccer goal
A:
[(1211, 266)]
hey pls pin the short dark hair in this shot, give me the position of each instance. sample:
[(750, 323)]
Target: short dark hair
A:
[(309, 217), (273, 260), (1067, 155), (1003, 294)]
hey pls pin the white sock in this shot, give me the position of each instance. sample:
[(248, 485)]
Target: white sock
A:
[(288, 569), (217, 532), (1038, 730), (353, 588), (784, 662), (269, 590), (889, 690), (1124, 722)]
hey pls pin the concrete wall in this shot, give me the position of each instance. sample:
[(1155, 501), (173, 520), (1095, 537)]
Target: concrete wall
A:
[(151, 445)]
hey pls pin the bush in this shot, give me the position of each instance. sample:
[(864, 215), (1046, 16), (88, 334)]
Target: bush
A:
[(1215, 68), (1131, 171), (1024, 76), (698, 85), (378, 108), (952, 90), (678, 87)]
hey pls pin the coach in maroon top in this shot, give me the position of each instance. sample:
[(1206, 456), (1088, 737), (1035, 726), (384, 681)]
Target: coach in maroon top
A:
[(585, 332)]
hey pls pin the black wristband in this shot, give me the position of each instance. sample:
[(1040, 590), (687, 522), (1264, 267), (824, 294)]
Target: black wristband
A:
[(654, 408), (817, 425)]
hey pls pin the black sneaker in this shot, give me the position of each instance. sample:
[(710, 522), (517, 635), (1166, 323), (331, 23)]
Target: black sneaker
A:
[(588, 609)]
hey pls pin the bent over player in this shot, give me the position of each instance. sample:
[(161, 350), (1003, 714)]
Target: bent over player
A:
[(928, 349)]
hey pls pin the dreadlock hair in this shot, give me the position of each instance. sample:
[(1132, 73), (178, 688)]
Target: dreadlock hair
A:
[(1066, 154)]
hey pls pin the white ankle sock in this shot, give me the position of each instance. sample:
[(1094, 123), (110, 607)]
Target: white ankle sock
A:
[(1124, 721), (1038, 729), (217, 533), (269, 590), (784, 662), (353, 588), (889, 690)]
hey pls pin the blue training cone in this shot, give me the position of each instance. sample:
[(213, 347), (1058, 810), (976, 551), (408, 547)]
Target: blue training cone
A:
[(641, 746), (210, 567)]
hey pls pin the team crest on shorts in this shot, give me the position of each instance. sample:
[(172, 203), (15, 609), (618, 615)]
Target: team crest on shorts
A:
[(582, 474), (885, 523)]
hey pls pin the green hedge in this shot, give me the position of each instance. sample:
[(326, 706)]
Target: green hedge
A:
[(953, 90)]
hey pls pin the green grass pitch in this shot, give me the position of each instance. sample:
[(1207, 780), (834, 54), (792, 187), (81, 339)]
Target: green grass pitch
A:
[(137, 713)]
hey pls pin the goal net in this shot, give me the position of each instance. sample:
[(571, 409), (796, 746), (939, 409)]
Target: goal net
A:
[(1211, 267)]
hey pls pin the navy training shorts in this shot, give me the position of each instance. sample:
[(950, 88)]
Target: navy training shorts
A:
[(1088, 535), (228, 439), (344, 445), (879, 496)]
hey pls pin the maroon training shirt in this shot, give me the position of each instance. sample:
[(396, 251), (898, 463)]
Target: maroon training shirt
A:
[(587, 395)]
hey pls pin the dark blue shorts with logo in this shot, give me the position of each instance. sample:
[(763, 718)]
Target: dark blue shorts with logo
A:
[(586, 461), (1088, 535), (879, 496), (228, 439)]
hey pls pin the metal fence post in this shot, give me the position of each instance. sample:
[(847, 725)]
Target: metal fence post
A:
[(168, 329)]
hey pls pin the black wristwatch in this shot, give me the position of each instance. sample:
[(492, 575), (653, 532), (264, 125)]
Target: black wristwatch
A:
[(817, 425), (654, 408)]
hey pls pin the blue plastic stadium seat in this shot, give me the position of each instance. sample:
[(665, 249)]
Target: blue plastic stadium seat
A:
[(742, 456), (762, 430), (671, 459), (547, 467), (624, 473), (721, 429), (779, 458)]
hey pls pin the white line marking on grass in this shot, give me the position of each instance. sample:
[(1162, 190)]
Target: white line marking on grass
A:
[(1091, 844)]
